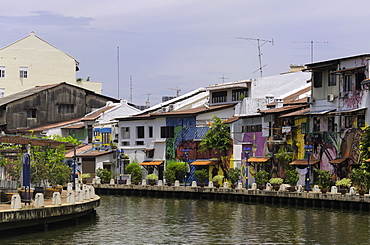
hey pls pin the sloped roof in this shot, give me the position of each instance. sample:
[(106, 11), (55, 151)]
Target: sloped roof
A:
[(32, 91), (232, 119), (297, 113), (282, 109)]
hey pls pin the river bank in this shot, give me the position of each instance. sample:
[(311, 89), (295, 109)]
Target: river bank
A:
[(316, 200)]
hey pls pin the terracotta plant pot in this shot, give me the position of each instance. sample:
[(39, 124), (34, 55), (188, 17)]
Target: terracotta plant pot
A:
[(276, 187), (261, 187), (343, 191), (324, 190), (202, 184), (233, 186), (292, 189), (361, 192)]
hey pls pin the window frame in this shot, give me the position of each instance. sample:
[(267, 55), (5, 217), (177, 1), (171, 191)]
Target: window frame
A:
[(31, 113), (348, 121), (317, 79), (2, 71), (362, 120), (23, 72), (332, 79), (140, 132), (347, 83), (359, 77)]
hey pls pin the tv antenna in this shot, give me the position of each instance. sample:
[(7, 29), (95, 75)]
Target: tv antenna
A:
[(118, 71), (147, 103), (131, 88), (312, 42), (177, 91), (223, 78), (260, 43)]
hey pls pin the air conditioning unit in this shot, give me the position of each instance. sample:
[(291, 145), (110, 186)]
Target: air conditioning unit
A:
[(170, 108), (330, 97)]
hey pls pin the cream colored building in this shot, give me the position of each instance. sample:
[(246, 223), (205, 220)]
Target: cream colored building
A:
[(31, 62)]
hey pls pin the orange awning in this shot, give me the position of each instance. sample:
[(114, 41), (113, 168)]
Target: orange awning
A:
[(204, 163), (304, 162), (338, 160), (367, 160), (258, 159), (152, 163)]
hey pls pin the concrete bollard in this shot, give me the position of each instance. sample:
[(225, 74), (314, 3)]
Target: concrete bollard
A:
[(299, 189), (89, 189), (352, 191), (111, 182), (334, 190), (268, 187), (56, 200), (194, 184), (69, 186), (70, 197), (79, 196), (240, 185), (316, 189), (92, 192), (39, 200), (226, 184), (210, 184), (16, 202), (143, 182), (128, 182), (254, 186), (177, 183), (160, 182), (78, 187)]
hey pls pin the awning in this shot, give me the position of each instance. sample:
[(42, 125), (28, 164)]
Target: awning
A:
[(338, 160), (367, 160), (152, 163), (204, 163), (348, 110), (322, 112), (304, 162), (258, 159), (349, 69)]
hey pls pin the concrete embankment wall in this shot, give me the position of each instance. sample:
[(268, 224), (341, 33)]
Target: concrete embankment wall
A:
[(28, 216), (317, 200)]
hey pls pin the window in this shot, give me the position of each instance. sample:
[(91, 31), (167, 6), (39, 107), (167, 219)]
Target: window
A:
[(167, 132), (2, 71), (96, 133), (332, 78), (66, 108), (140, 132), (31, 113), (252, 128), (150, 131), (238, 94), (219, 97), (360, 121), (125, 132), (347, 83), (139, 142), (359, 78), (303, 128), (331, 124), (317, 79), (105, 138), (316, 124), (348, 121), (23, 72)]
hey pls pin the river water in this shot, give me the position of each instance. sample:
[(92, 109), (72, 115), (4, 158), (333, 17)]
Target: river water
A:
[(143, 220)]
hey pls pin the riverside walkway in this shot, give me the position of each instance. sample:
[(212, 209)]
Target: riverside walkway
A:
[(311, 199), (30, 215)]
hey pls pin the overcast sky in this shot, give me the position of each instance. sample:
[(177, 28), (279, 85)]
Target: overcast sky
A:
[(187, 44)]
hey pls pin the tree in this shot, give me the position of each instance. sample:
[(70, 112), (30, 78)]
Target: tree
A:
[(217, 138)]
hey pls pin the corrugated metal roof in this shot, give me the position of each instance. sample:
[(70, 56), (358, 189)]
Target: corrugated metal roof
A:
[(296, 113), (284, 108), (152, 163), (204, 163)]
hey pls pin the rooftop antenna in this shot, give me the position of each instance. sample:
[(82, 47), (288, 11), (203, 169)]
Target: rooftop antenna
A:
[(260, 43), (312, 42), (177, 91), (118, 71), (147, 103), (131, 88), (223, 78)]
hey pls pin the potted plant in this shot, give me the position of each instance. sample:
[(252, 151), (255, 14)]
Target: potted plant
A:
[(261, 178), (291, 178), (343, 184), (276, 182), (323, 179), (170, 176), (152, 178), (234, 176), (360, 178), (201, 175), (217, 179), (104, 174), (134, 170), (84, 177)]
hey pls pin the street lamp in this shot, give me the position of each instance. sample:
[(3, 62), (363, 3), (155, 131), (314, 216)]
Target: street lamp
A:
[(246, 151), (185, 155), (308, 149), (120, 156)]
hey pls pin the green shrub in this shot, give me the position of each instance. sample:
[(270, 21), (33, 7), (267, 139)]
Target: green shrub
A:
[(218, 178), (104, 174), (152, 176), (291, 177), (234, 175), (135, 170), (323, 178), (261, 177), (276, 181), (201, 175), (177, 167)]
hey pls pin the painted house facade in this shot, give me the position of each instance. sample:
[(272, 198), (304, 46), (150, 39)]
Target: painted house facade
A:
[(31, 61)]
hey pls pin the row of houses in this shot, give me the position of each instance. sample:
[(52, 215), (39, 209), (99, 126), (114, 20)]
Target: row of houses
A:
[(323, 104)]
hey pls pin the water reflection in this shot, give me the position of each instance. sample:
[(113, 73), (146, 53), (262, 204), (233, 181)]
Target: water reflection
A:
[(136, 220)]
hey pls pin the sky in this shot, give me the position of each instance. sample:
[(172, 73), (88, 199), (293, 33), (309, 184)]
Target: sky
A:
[(164, 45)]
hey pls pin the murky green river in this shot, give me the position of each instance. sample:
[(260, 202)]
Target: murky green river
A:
[(139, 220)]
